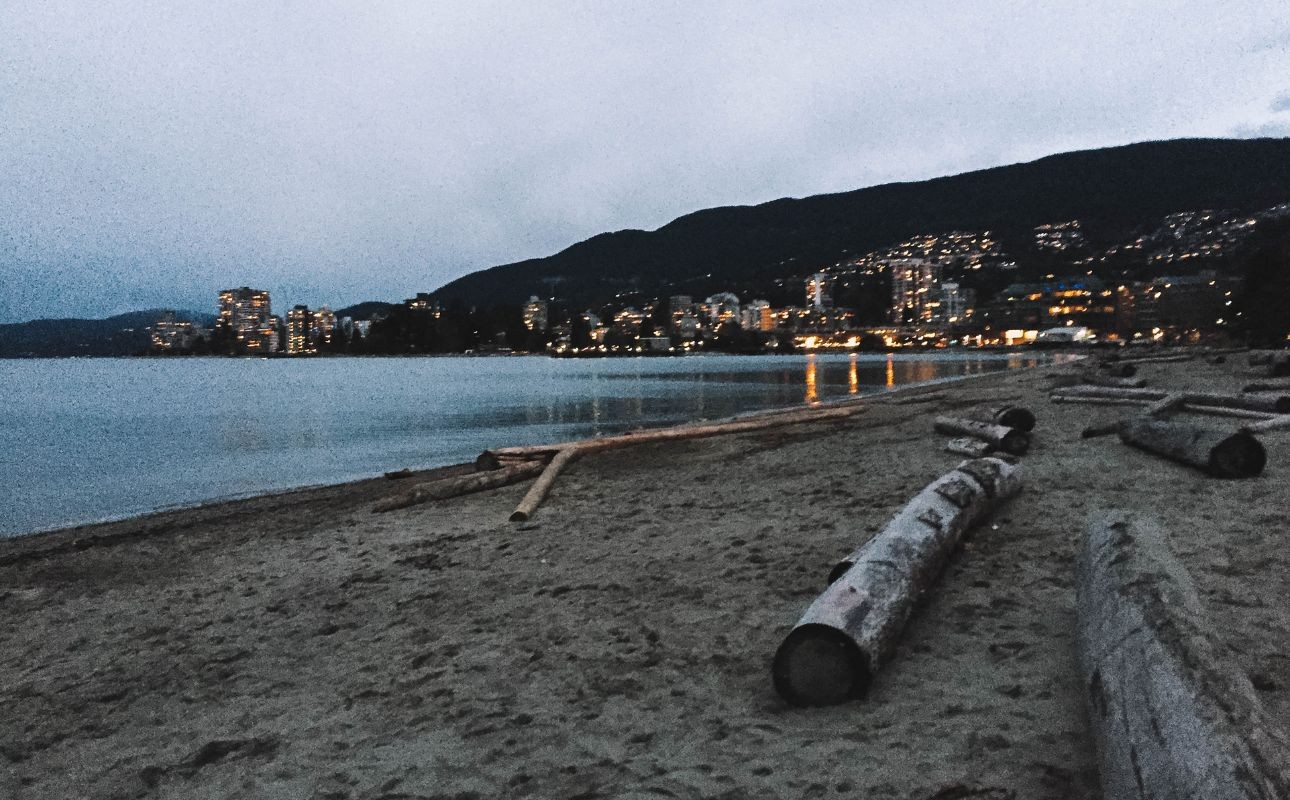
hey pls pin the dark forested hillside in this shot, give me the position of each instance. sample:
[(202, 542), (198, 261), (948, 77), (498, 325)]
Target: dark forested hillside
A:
[(1113, 192)]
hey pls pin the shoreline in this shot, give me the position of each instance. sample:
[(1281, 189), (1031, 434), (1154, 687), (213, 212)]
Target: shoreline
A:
[(619, 643), (429, 471)]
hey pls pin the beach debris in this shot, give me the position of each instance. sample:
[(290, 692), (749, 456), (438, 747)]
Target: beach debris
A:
[(967, 446), (1170, 719), (1268, 386), (558, 456), (1117, 370), (1272, 404), (1007, 414), (852, 628), (1160, 359), (398, 474), (1091, 378), (1000, 437), (1222, 454), (453, 487)]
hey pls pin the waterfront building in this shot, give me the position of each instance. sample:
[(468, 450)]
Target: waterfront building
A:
[(1057, 301), (956, 304), (819, 291), (323, 328), (915, 291), (299, 327), (1176, 307), (247, 315), (170, 335), (721, 308), (535, 315), (757, 315)]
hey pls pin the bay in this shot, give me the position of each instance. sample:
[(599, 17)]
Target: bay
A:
[(85, 440)]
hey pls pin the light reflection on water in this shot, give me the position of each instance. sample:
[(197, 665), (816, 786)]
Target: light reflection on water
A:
[(97, 438)]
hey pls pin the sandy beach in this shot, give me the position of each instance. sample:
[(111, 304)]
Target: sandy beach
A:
[(618, 645)]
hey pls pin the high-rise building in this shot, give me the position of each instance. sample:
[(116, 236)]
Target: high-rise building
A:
[(956, 303), (323, 327), (819, 291), (915, 291), (757, 315), (245, 313), (169, 334), (299, 328), (535, 314)]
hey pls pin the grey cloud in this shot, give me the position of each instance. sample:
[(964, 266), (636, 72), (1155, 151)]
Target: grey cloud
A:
[(151, 154)]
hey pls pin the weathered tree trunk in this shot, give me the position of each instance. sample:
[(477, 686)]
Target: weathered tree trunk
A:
[(453, 487), (1218, 453), (1272, 404), (491, 459), (1171, 722), (851, 629), (1007, 415), (972, 448), (1009, 440), (538, 491)]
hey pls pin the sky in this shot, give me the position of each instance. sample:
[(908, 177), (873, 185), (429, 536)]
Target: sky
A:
[(152, 154)]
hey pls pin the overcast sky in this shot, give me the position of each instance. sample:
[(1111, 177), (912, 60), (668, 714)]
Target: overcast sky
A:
[(154, 153)]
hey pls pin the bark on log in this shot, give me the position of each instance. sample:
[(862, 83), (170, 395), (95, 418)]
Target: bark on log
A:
[(1218, 453), (1009, 440), (1170, 720), (453, 487), (833, 651), (538, 491), (972, 448), (1007, 415)]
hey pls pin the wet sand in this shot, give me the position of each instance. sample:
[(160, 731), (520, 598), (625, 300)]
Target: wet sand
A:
[(619, 644)]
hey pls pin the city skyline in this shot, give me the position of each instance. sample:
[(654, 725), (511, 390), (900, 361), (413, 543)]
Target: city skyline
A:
[(336, 154)]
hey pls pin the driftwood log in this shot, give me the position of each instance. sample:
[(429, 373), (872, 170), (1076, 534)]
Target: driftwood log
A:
[(538, 491), (1116, 370), (454, 487), (491, 459), (1001, 437), (1008, 415), (1092, 378), (1276, 423), (1268, 386), (1219, 453), (833, 651), (966, 446), (1272, 404), (1170, 720)]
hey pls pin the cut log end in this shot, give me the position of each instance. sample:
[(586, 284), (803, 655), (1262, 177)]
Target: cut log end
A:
[(519, 516), (486, 461), (820, 666), (1238, 456), (1015, 443), (1016, 417)]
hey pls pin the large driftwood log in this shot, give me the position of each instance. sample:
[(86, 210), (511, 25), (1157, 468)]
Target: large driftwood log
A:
[(1008, 415), (454, 487), (1171, 721), (1219, 453), (1001, 437), (1272, 404), (852, 628), (491, 459)]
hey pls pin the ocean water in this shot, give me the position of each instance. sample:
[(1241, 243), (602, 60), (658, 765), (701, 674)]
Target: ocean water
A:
[(85, 440)]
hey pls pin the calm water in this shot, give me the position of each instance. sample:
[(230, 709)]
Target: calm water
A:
[(93, 439)]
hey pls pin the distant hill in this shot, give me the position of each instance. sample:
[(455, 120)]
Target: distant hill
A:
[(367, 310), (122, 335), (1114, 192)]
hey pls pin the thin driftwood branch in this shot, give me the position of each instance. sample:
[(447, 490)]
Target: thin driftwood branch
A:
[(454, 487)]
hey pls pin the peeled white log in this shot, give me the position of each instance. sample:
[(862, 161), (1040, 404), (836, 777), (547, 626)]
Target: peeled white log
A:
[(1007, 415), (538, 491), (1273, 404), (1170, 720), (972, 448), (1219, 453), (832, 653), (464, 484), (1001, 437)]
